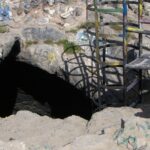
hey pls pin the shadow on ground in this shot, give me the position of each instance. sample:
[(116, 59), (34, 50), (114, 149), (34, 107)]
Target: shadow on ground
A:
[(145, 105), (63, 98)]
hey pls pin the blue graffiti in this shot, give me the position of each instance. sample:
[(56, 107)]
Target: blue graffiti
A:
[(5, 13)]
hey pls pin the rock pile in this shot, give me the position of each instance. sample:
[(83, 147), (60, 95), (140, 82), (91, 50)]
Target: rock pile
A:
[(115, 128), (43, 12)]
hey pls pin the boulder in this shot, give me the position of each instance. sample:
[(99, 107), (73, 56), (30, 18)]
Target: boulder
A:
[(27, 130), (91, 142), (7, 42), (12, 145), (147, 8), (110, 118), (50, 33), (46, 57), (38, 132)]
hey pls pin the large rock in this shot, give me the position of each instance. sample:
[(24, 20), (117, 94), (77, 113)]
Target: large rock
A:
[(91, 142), (147, 8), (31, 131), (40, 132), (110, 117), (12, 145), (7, 42), (49, 33), (46, 57), (135, 135), (106, 131)]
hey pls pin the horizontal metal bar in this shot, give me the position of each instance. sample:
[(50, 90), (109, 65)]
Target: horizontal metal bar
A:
[(117, 2), (112, 64), (145, 21), (133, 29), (138, 30), (112, 87), (104, 10)]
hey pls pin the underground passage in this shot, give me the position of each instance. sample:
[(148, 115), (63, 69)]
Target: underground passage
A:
[(63, 98)]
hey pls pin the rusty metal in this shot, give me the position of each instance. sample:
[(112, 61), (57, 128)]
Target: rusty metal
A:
[(101, 49)]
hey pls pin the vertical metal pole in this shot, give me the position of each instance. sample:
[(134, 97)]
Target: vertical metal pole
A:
[(140, 13), (104, 59), (104, 75), (125, 44), (86, 10), (97, 24)]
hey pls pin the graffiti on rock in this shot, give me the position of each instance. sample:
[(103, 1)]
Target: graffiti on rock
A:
[(5, 13), (43, 34), (44, 56)]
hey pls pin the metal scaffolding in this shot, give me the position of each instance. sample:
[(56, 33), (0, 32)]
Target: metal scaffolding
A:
[(102, 42)]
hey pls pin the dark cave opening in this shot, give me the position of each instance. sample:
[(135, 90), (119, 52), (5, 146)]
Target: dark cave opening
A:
[(63, 98)]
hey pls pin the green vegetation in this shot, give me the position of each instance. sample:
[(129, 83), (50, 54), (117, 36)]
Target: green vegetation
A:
[(61, 42), (84, 25), (74, 30), (4, 29), (116, 27), (29, 43), (87, 25), (49, 41), (69, 47)]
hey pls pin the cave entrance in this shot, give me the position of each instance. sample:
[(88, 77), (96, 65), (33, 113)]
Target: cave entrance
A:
[(24, 86)]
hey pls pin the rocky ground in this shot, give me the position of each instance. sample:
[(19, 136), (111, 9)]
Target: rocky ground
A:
[(113, 128)]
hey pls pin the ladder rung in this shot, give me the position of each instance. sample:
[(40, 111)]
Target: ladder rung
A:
[(104, 10), (134, 29), (110, 10), (117, 2), (145, 21), (112, 64), (112, 87), (138, 30), (129, 87)]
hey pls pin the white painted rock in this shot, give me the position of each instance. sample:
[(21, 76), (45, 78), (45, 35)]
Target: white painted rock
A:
[(12, 145), (110, 118), (39, 132)]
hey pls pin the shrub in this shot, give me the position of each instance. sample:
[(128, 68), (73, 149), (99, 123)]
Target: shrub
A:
[(49, 42), (69, 47), (87, 25), (4, 29), (29, 43)]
